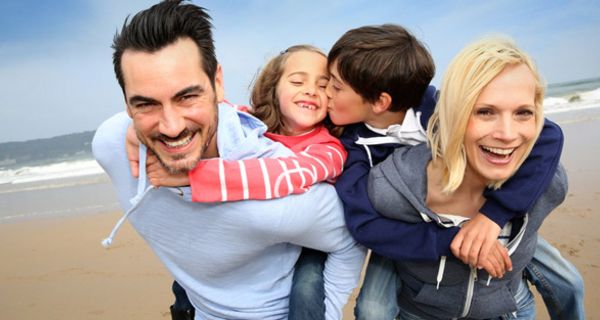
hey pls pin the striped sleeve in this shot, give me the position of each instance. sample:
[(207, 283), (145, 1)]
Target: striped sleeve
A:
[(217, 180)]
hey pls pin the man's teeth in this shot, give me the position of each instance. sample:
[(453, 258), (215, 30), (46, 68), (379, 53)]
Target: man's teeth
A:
[(307, 106), (498, 151), (179, 143)]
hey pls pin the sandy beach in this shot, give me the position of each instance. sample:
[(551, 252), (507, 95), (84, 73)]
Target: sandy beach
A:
[(55, 268)]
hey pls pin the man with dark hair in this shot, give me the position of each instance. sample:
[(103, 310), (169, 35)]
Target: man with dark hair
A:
[(234, 259)]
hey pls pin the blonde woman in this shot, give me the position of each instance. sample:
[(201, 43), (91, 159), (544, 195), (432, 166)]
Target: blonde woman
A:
[(487, 120)]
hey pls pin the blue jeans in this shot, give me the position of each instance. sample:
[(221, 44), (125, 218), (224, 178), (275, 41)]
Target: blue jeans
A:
[(558, 282), (377, 297), (307, 297)]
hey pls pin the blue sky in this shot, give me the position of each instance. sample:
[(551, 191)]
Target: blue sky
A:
[(55, 59)]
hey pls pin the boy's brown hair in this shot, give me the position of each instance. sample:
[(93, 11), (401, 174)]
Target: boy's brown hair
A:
[(385, 58)]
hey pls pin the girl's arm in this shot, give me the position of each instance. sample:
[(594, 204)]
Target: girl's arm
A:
[(215, 180)]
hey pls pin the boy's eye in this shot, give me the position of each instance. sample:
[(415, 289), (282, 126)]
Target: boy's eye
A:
[(296, 83)]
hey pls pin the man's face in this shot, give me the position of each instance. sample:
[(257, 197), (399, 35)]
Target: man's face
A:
[(172, 103)]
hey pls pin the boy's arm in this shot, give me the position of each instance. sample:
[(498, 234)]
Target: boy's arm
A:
[(215, 180), (516, 197), (388, 237)]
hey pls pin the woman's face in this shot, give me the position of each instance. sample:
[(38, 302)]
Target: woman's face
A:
[(502, 125), (301, 91)]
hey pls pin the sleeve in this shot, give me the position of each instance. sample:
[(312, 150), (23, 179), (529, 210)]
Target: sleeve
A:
[(215, 180), (518, 195), (316, 220), (395, 239), (108, 147)]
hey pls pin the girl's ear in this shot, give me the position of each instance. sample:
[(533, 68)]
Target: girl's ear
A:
[(382, 104)]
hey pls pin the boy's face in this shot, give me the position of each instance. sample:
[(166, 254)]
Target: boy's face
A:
[(346, 106)]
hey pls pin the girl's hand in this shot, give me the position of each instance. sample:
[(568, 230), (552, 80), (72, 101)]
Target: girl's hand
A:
[(160, 177), (132, 147)]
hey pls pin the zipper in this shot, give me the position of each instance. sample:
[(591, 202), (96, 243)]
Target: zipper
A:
[(470, 289)]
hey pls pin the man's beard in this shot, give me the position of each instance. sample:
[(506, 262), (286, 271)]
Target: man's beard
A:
[(191, 164)]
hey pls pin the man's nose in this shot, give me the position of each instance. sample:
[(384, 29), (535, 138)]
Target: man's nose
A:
[(172, 122)]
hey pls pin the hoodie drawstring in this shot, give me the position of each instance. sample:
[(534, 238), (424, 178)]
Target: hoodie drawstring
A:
[(141, 189), (440, 274)]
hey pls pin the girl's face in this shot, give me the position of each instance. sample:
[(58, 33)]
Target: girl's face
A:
[(502, 125), (301, 92)]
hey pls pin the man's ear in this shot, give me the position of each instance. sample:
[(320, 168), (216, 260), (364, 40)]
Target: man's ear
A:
[(383, 103), (128, 109), (219, 88)]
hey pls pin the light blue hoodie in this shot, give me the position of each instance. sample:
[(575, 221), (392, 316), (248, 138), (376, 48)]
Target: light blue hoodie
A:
[(235, 259)]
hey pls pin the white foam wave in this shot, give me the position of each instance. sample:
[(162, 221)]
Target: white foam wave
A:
[(59, 170), (571, 102)]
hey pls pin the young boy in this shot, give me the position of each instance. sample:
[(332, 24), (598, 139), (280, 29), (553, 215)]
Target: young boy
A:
[(379, 88)]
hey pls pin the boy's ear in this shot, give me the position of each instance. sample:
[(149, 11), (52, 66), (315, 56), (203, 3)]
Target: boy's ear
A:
[(383, 103)]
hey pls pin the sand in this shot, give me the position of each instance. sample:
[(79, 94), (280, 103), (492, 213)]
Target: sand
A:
[(55, 268)]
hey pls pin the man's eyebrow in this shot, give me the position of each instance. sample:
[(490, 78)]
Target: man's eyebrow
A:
[(191, 89)]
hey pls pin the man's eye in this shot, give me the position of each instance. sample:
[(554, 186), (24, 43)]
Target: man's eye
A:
[(188, 97)]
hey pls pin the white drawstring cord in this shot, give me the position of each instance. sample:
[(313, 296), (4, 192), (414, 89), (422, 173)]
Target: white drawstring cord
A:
[(141, 190), (440, 274)]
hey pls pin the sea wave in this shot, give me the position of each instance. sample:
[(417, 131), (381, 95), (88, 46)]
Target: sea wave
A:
[(54, 171), (572, 101)]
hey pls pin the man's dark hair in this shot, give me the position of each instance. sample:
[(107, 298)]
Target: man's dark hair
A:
[(385, 58), (161, 25)]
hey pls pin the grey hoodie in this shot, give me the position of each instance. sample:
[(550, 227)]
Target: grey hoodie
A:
[(450, 288)]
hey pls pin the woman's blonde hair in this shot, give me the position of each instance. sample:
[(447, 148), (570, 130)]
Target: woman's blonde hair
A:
[(264, 98), (467, 75)]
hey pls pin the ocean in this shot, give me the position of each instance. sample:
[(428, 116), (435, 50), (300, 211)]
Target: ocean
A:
[(74, 186)]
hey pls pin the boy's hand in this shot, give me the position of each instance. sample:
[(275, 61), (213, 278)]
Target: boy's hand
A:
[(132, 147), (475, 240), (494, 263), (160, 177)]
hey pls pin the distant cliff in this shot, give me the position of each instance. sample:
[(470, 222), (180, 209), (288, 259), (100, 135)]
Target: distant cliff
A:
[(73, 146)]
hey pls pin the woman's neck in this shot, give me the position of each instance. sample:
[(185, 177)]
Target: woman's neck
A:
[(465, 201)]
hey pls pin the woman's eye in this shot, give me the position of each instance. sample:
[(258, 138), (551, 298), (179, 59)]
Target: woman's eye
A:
[(484, 112)]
